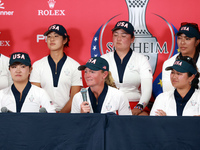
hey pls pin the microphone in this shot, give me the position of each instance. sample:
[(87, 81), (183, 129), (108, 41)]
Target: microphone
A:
[(42, 110), (5, 110), (84, 94)]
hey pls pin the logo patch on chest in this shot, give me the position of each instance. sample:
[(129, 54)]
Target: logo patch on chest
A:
[(193, 103), (131, 67), (67, 72), (31, 98), (108, 107)]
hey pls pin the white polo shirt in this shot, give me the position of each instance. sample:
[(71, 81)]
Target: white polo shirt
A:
[(166, 102), (33, 100), (166, 82), (69, 76), (137, 68), (114, 101)]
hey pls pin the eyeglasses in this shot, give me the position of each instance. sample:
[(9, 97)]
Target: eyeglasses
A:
[(187, 23)]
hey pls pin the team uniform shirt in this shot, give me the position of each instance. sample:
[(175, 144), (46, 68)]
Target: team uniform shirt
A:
[(33, 98), (170, 103), (136, 68), (57, 83), (5, 77), (111, 100), (166, 82)]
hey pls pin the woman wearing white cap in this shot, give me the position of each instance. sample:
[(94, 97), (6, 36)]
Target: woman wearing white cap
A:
[(5, 77), (130, 70), (102, 95), (57, 73), (188, 43), (21, 96), (185, 99)]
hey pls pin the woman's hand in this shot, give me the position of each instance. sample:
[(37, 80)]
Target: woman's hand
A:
[(136, 111), (85, 107), (160, 112)]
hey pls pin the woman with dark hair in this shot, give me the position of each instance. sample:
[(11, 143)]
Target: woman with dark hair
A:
[(131, 71), (21, 96), (188, 43), (57, 73), (185, 99)]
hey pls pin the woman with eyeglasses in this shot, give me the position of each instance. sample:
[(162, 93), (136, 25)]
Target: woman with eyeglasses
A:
[(185, 99), (188, 43)]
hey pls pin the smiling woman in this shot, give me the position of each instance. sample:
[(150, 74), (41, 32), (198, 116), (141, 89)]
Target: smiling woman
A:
[(102, 95)]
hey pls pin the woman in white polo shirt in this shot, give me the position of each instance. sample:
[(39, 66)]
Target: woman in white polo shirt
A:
[(102, 95), (188, 43), (21, 96), (130, 70), (57, 73), (185, 99)]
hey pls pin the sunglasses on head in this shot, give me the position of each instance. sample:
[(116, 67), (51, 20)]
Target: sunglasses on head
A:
[(187, 23), (185, 58)]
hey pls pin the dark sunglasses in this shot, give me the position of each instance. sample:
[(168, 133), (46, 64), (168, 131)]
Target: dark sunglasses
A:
[(186, 58), (187, 23)]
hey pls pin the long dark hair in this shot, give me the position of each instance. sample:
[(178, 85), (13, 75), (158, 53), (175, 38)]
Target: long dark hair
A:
[(196, 55)]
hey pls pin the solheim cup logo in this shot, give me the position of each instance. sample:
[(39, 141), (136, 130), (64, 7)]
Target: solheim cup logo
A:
[(144, 42), (51, 3)]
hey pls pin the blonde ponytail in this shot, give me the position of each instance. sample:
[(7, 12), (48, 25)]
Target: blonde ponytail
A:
[(109, 80)]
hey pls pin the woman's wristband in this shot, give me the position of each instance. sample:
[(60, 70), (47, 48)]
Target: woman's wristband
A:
[(139, 106)]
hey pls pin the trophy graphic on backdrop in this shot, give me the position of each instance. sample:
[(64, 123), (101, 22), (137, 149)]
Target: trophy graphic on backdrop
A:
[(51, 3), (144, 42)]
